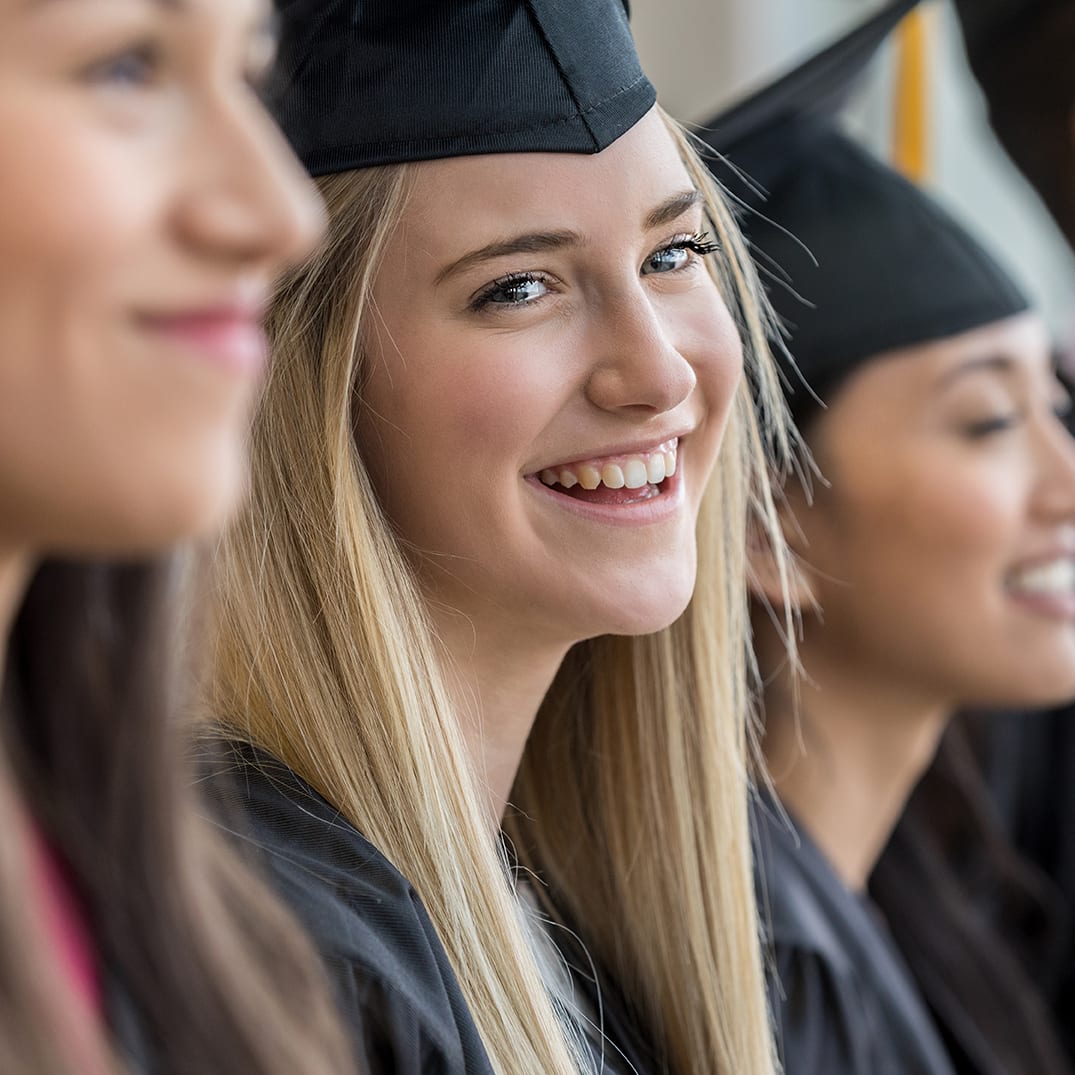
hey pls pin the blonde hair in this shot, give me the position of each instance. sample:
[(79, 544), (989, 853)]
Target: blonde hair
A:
[(325, 658)]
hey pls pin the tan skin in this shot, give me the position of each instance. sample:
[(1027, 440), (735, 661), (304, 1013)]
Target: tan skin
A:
[(148, 203), (951, 480), (617, 339)]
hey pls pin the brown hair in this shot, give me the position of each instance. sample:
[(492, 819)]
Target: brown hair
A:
[(221, 979)]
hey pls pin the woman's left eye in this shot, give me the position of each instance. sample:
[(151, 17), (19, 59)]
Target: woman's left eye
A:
[(667, 260), (678, 254)]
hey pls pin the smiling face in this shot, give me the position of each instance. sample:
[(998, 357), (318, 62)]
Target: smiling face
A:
[(145, 204), (943, 552), (551, 370)]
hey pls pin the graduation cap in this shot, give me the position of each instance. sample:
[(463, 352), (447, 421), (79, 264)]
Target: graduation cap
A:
[(368, 82), (857, 260)]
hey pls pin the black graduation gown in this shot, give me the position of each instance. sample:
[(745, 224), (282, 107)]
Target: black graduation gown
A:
[(1030, 765), (842, 998), (399, 994)]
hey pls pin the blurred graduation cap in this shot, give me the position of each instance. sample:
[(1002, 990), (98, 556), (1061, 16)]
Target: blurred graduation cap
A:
[(368, 82), (857, 261)]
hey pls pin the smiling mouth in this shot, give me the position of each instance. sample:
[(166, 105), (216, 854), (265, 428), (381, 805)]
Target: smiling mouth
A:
[(616, 480), (1054, 578)]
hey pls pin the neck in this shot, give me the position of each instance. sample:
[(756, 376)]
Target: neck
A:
[(498, 678), (15, 571), (847, 757)]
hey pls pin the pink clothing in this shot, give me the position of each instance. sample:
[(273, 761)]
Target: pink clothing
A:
[(65, 923)]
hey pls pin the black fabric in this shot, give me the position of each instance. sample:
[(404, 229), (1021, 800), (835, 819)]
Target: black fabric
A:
[(858, 260), (1030, 764), (398, 993), (368, 82), (843, 1000), (1021, 53)]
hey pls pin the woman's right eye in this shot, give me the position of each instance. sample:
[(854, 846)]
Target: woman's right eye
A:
[(134, 68), (999, 423), (520, 289)]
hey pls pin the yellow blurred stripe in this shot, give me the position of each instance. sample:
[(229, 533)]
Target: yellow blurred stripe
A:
[(910, 127)]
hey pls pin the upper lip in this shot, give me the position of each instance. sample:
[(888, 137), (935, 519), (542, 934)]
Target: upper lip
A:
[(245, 304), (1059, 552), (637, 447)]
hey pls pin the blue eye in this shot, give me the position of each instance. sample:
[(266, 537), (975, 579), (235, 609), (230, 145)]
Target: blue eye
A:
[(677, 254), (517, 290), (669, 259), (136, 68)]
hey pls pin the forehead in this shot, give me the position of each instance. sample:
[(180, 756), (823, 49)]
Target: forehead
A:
[(465, 200), (1016, 349), (244, 9)]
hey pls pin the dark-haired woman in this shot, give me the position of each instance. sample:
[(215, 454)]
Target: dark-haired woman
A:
[(146, 203), (936, 571)]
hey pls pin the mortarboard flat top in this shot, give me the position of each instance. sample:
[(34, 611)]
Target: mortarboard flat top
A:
[(369, 82)]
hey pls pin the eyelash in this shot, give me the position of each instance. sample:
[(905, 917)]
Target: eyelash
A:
[(700, 243)]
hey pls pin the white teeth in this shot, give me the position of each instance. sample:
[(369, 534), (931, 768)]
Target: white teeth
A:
[(1056, 577), (589, 477), (612, 476), (630, 472), (635, 474)]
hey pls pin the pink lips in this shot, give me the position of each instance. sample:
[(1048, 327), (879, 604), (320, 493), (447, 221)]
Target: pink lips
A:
[(228, 336)]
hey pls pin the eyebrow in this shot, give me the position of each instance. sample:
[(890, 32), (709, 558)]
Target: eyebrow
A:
[(669, 211), (987, 363)]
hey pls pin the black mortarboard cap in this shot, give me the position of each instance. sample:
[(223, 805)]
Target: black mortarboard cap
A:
[(857, 260), (367, 82)]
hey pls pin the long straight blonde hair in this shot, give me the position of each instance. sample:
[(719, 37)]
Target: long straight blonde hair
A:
[(634, 783)]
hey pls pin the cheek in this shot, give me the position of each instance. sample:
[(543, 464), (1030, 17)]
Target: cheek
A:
[(923, 541), (107, 440), (69, 206), (440, 403), (715, 349), (709, 340)]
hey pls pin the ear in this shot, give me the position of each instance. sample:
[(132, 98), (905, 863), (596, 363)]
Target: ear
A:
[(768, 552)]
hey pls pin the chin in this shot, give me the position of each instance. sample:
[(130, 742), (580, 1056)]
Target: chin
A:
[(644, 612), (1038, 686), (170, 513)]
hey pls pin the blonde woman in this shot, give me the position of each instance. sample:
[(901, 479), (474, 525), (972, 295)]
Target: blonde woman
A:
[(147, 205), (460, 602)]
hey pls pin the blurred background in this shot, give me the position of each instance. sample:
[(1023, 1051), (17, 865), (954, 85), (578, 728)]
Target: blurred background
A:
[(705, 55)]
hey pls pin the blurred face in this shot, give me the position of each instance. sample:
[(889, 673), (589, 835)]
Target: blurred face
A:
[(943, 554), (551, 371), (145, 204)]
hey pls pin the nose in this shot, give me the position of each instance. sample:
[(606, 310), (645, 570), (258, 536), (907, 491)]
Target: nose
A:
[(247, 199), (1055, 497), (639, 369)]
